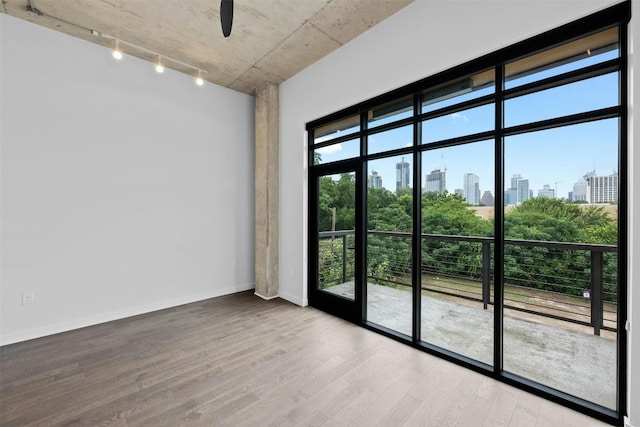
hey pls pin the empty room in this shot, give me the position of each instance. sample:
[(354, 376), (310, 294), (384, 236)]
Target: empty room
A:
[(285, 212)]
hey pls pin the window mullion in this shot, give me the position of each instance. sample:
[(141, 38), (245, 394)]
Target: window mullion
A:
[(498, 246), (416, 256)]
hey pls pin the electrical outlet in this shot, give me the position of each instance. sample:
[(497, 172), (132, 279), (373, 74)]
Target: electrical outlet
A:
[(28, 297)]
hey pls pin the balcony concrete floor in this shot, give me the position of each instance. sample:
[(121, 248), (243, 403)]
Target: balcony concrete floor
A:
[(575, 362)]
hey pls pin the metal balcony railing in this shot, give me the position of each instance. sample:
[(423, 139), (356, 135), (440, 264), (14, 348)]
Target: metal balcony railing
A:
[(571, 282)]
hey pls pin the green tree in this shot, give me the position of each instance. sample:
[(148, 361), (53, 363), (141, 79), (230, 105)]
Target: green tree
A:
[(447, 213), (559, 270), (326, 202), (537, 219)]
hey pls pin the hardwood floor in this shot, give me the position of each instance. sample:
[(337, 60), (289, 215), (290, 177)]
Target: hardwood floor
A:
[(238, 360)]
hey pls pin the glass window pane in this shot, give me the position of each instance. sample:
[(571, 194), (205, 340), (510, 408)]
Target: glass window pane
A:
[(579, 97), (457, 244), (460, 123), (561, 185), (389, 225), (471, 87), (336, 129), (599, 47), (336, 234), (391, 139), (390, 112), (340, 151)]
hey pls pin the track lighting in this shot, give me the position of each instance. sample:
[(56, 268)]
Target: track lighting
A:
[(162, 59), (116, 52)]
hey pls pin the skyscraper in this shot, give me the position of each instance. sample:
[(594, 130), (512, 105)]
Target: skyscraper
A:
[(580, 190), (403, 175), (602, 189), (510, 196), (522, 188), (518, 192), (511, 193), (487, 199), (547, 191), (514, 181), (436, 182), (471, 184), (374, 180)]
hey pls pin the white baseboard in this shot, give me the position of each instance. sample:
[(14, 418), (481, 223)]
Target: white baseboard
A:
[(116, 315), (293, 299), (265, 298)]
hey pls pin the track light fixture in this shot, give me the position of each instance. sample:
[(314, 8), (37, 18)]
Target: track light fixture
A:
[(162, 59), (116, 53), (159, 66)]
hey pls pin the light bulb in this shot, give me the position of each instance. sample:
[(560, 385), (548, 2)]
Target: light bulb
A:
[(116, 52), (199, 81), (159, 67)]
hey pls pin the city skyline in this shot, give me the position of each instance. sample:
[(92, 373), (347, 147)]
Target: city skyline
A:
[(557, 157), (594, 188)]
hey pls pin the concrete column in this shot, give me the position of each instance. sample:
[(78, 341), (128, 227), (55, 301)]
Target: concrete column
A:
[(267, 183)]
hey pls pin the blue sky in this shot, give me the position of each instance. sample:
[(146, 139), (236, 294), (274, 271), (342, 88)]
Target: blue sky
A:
[(557, 157)]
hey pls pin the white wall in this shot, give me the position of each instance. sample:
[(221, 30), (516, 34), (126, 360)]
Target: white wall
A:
[(634, 213), (424, 38), (122, 191)]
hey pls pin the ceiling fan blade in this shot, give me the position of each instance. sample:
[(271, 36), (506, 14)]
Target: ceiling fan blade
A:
[(226, 16)]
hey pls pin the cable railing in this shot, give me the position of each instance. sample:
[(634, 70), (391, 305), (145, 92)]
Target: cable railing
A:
[(570, 282), (336, 261)]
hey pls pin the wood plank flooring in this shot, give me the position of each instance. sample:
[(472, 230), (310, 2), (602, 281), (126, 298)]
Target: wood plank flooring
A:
[(238, 360)]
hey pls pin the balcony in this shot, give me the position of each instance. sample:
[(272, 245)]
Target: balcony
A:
[(560, 302)]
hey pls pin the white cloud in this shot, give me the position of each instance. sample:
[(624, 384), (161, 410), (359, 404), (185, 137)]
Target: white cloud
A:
[(459, 116), (324, 138), (330, 149)]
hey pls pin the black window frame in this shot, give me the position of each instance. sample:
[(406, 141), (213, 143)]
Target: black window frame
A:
[(619, 16)]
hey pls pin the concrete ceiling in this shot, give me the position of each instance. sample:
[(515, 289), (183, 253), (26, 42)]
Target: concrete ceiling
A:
[(271, 39)]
